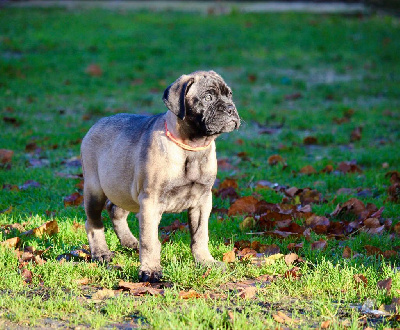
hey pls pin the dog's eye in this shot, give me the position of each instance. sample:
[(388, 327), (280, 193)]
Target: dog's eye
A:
[(208, 97)]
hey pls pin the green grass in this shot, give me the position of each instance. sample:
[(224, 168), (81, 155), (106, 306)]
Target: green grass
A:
[(335, 62)]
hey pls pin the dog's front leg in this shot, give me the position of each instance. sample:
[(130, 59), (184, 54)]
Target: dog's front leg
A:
[(198, 224), (149, 245)]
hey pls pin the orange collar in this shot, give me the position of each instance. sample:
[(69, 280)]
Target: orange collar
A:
[(182, 145)]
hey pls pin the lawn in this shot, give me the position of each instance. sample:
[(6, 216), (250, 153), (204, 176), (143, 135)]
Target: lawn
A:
[(313, 245)]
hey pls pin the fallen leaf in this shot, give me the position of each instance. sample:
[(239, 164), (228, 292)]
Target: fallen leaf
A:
[(26, 275), (385, 284), (224, 164), (176, 225), (243, 205), (356, 134), (74, 199), (276, 159), (293, 273), (82, 281), (248, 292), (390, 254), (349, 167), (278, 319), (269, 250), (189, 294), (229, 257), (347, 252), (228, 183), (103, 294), (372, 223), (308, 170), (373, 250), (318, 245), (6, 156), (291, 258), (11, 243), (327, 169), (309, 140), (326, 324), (94, 70), (394, 192), (316, 220), (359, 278), (48, 228)]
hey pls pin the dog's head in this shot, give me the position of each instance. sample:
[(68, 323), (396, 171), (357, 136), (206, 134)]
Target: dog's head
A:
[(203, 101)]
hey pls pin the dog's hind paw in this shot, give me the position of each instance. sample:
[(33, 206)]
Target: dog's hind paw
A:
[(150, 276)]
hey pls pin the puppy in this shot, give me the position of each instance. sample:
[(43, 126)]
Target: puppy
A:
[(155, 164)]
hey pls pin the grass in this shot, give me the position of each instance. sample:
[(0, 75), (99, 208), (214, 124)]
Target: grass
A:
[(333, 62)]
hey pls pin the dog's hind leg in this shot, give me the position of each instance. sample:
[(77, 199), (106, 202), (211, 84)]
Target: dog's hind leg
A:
[(95, 199), (118, 217)]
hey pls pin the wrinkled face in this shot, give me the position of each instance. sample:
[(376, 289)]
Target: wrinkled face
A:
[(203, 103), (209, 105)]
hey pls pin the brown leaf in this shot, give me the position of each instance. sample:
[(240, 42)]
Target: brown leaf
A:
[(327, 169), (309, 140), (347, 252), (74, 199), (248, 292), (394, 176), (228, 183), (348, 167), (294, 246), (26, 275), (325, 324), (308, 170), (48, 228), (103, 294), (356, 134), (394, 192), (276, 159), (94, 70), (360, 278), (385, 284), (6, 156), (372, 223), (278, 319), (229, 256), (176, 225), (293, 273), (316, 220), (353, 207), (243, 205), (227, 193), (189, 294), (11, 243), (309, 196), (82, 281), (76, 226), (390, 254), (224, 164), (279, 234), (269, 249), (318, 245), (373, 250), (291, 258), (374, 231)]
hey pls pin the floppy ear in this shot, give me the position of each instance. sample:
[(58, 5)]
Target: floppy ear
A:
[(174, 96)]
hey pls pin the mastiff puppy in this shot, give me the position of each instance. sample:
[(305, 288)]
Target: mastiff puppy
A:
[(156, 164)]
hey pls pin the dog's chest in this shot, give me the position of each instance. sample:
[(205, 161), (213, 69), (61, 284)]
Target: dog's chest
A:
[(196, 178)]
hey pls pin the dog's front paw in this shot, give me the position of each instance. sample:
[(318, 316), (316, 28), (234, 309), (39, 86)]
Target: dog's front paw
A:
[(150, 276), (102, 256)]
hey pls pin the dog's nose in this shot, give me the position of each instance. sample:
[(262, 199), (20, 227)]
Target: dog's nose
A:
[(230, 109)]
